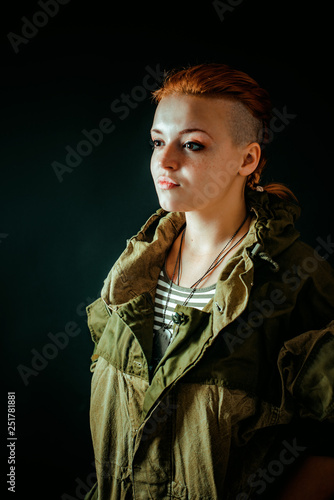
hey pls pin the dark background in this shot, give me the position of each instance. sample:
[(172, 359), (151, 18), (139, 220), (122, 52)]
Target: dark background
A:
[(58, 240)]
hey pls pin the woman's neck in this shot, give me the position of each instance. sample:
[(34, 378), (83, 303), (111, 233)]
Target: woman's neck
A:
[(208, 230)]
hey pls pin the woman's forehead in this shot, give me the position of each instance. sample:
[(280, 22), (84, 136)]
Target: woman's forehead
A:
[(191, 112)]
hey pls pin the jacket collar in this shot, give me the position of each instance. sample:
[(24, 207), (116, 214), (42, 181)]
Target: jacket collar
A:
[(137, 269)]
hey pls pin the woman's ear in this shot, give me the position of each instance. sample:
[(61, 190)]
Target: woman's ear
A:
[(251, 156)]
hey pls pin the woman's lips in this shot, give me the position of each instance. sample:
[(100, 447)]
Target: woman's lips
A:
[(166, 183)]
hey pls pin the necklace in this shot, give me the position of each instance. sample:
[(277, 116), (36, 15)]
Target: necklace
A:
[(175, 318)]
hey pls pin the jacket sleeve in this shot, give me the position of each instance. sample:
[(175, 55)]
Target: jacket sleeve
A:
[(306, 364), (306, 359)]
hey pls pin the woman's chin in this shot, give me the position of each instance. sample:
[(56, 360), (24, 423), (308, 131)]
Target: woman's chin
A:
[(174, 206)]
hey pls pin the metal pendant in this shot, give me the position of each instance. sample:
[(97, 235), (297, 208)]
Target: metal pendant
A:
[(161, 341)]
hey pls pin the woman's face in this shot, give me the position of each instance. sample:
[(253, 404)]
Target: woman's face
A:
[(194, 162)]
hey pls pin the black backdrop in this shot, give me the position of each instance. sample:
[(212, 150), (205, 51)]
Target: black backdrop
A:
[(61, 232)]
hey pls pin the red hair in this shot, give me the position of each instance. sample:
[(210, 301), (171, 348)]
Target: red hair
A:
[(222, 81)]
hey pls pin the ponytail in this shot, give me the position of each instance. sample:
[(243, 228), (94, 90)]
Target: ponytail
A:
[(277, 189), (281, 191)]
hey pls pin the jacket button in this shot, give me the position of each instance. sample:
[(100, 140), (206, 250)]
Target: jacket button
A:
[(177, 318)]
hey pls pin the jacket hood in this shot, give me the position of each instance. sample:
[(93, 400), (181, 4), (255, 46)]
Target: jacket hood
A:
[(138, 267), (275, 221)]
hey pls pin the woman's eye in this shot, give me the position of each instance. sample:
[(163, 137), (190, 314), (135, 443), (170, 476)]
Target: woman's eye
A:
[(193, 146), (155, 143), (190, 145)]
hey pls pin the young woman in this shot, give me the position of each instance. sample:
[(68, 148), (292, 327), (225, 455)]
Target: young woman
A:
[(214, 349)]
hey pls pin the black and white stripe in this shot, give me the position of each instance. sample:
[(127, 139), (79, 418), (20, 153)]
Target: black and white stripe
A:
[(177, 296)]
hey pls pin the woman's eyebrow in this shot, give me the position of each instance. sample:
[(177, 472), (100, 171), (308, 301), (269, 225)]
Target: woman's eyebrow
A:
[(190, 130), (185, 131)]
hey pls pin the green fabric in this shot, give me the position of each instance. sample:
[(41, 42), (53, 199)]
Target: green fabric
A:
[(259, 355)]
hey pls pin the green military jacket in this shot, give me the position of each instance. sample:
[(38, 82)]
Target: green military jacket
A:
[(221, 415)]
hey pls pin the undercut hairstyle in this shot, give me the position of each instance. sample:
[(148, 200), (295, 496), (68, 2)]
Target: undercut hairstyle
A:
[(243, 126)]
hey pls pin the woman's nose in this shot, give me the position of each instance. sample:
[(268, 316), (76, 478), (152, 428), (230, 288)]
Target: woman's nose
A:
[(168, 157)]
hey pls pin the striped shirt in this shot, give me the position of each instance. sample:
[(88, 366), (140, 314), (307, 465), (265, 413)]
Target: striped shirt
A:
[(178, 295)]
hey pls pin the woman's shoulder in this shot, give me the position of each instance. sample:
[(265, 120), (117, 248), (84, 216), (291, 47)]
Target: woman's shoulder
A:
[(304, 258), (308, 279)]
